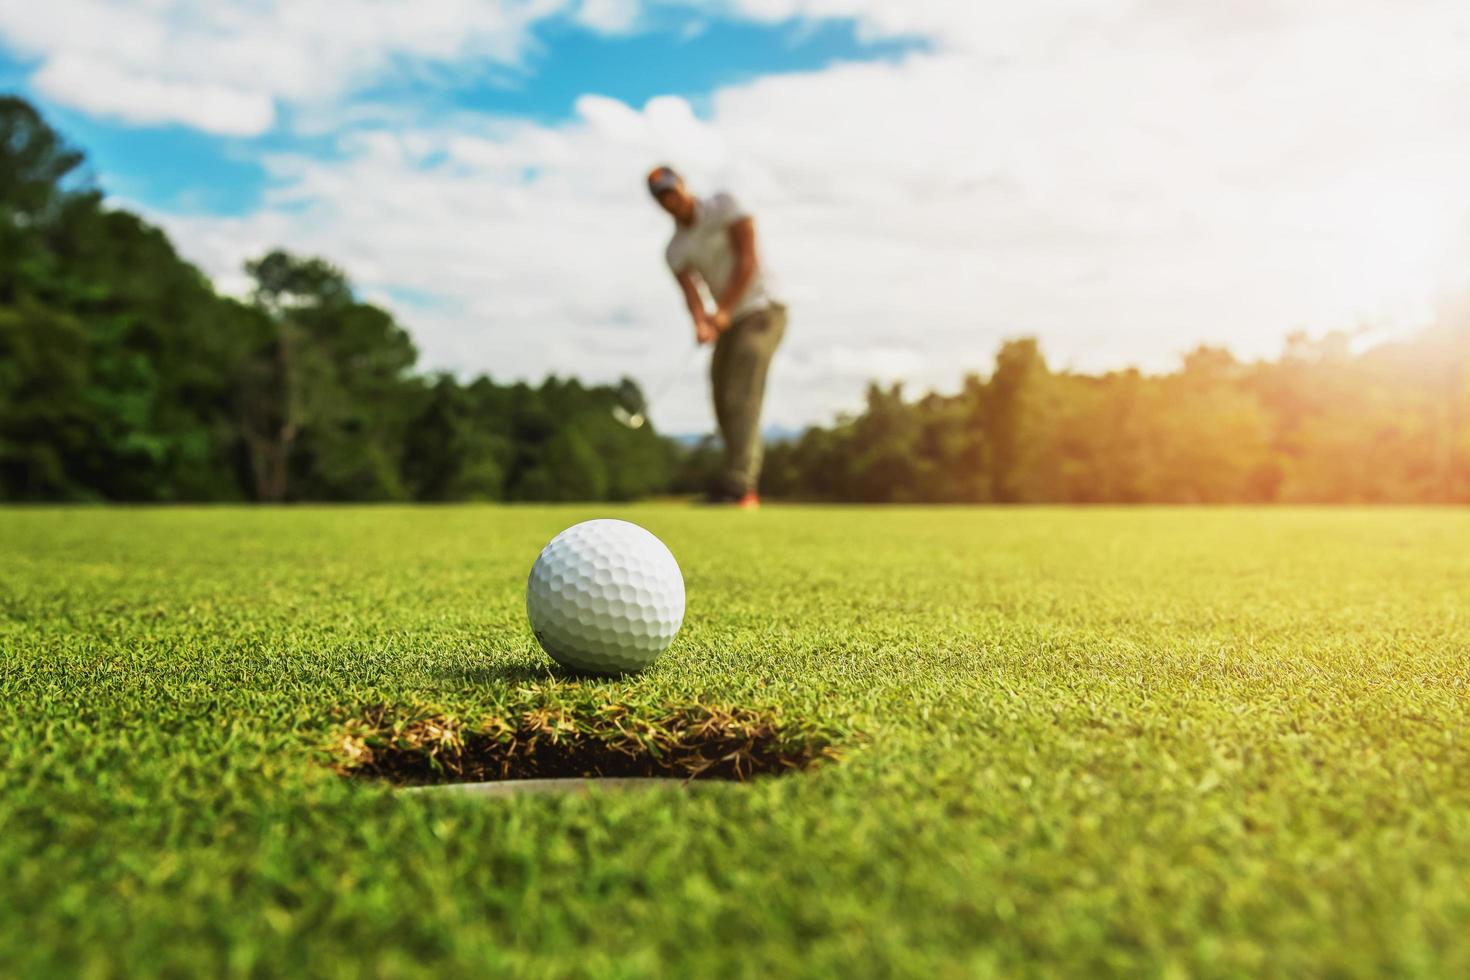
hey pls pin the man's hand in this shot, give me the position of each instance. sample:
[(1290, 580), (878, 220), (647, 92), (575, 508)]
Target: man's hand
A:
[(720, 322), (704, 331)]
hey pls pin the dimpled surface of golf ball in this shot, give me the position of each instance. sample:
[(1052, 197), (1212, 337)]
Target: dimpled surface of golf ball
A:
[(605, 597)]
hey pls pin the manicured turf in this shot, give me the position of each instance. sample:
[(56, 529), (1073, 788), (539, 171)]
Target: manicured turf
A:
[(1168, 741)]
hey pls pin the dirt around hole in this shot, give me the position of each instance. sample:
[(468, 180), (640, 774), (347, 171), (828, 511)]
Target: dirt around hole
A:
[(549, 740)]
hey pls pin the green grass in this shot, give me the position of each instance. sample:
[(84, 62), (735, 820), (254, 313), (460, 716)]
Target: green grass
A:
[(1116, 741)]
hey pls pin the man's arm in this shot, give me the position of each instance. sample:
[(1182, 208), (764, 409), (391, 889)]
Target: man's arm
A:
[(704, 331), (742, 240)]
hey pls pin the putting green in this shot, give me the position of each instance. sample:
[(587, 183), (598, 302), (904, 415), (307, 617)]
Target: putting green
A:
[(1087, 741)]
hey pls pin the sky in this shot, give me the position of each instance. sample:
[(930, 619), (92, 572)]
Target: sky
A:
[(1122, 179)]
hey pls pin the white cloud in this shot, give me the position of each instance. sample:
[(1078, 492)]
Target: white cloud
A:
[(609, 16), (226, 65), (1123, 180), (103, 89)]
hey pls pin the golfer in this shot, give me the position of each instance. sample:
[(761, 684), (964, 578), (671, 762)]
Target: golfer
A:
[(714, 246)]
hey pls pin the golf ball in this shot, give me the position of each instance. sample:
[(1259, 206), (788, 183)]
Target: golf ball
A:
[(605, 597)]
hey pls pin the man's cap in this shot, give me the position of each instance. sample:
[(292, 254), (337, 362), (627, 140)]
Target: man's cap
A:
[(661, 179)]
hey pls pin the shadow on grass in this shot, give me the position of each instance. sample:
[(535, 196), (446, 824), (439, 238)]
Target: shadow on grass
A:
[(523, 673), (499, 674)]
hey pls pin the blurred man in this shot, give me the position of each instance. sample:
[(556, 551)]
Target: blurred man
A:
[(714, 247)]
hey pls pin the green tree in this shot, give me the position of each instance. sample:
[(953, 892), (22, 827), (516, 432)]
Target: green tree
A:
[(448, 453), (568, 469), (327, 396), (44, 425), (119, 381), (1011, 420)]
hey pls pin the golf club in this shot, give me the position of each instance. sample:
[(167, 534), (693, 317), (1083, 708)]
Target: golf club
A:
[(636, 419)]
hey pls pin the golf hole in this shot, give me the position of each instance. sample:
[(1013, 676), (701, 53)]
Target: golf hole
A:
[(554, 748)]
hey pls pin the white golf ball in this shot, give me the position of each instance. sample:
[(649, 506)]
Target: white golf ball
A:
[(605, 597)]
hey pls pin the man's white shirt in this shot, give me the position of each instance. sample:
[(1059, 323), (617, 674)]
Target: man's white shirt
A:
[(704, 248)]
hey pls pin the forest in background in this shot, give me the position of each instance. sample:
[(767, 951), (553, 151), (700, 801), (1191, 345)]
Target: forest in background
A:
[(1320, 424), (125, 376)]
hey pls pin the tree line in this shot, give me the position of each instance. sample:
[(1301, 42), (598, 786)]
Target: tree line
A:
[(1321, 424), (124, 375)]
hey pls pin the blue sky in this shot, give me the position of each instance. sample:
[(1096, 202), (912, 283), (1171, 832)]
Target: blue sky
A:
[(1122, 180), (173, 167)]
